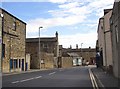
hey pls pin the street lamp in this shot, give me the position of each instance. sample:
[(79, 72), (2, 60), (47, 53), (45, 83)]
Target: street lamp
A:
[(39, 47)]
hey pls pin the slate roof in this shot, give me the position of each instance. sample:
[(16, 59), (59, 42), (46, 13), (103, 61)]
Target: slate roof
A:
[(73, 54), (45, 39), (79, 50)]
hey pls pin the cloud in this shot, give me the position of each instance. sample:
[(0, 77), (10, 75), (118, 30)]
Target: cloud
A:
[(72, 12), (64, 16), (24, 0), (69, 5), (98, 6), (88, 39), (58, 1), (64, 1), (33, 25), (68, 9)]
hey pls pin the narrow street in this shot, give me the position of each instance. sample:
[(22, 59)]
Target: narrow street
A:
[(60, 43), (70, 77)]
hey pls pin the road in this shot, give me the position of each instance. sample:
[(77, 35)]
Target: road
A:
[(70, 77)]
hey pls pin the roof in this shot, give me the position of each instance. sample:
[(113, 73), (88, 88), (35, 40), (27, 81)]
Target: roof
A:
[(12, 15), (65, 54), (73, 54), (79, 50), (117, 1), (47, 39), (107, 11)]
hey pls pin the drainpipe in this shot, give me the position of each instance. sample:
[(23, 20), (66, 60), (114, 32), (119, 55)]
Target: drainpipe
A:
[(1, 36), (105, 44)]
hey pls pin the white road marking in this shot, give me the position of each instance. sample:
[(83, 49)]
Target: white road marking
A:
[(26, 79), (51, 73), (31, 78), (38, 77), (15, 82), (94, 83)]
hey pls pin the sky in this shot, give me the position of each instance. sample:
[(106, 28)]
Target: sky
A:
[(76, 21)]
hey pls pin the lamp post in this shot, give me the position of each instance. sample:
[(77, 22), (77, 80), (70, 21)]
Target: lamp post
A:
[(39, 47)]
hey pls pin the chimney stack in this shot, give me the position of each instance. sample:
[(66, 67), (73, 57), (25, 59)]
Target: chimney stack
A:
[(76, 46)]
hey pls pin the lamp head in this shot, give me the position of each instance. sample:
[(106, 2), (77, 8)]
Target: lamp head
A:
[(40, 27)]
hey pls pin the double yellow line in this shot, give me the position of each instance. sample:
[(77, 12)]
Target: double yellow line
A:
[(93, 80)]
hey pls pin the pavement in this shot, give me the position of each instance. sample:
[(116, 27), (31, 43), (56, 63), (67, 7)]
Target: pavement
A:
[(104, 79)]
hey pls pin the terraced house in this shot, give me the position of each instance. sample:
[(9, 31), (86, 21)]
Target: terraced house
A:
[(74, 57), (13, 34), (115, 31), (104, 40), (109, 38)]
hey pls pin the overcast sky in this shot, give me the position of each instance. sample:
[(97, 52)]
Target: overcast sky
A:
[(75, 20)]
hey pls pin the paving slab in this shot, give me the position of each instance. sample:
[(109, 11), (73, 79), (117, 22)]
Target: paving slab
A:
[(105, 79)]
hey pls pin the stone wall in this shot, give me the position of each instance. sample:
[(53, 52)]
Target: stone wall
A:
[(47, 60), (14, 34), (115, 27), (0, 38), (67, 62), (32, 49)]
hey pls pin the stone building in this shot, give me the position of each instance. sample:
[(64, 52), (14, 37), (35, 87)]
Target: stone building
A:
[(100, 42), (104, 40), (115, 29), (87, 53), (49, 52), (1, 16), (13, 34), (73, 57)]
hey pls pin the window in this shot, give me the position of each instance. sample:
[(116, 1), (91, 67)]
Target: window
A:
[(41, 45), (3, 50), (15, 63), (45, 45), (11, 63), (19, 63), (110, 21), (101, 27)]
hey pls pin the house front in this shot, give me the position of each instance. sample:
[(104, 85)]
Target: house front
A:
[(13, 42)]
